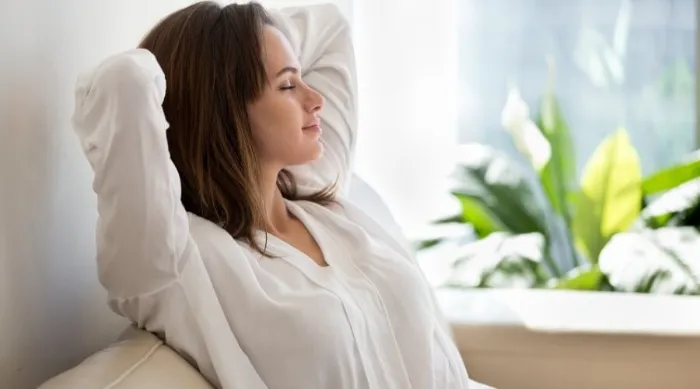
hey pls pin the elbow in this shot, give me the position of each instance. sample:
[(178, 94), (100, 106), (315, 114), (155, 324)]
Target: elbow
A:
[(125, 76)]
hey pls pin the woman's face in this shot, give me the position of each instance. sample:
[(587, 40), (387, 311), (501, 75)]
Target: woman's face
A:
[(284, 120)]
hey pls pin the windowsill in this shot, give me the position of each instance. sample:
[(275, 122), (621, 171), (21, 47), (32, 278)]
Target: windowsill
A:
[(554, 311), (529, 339)]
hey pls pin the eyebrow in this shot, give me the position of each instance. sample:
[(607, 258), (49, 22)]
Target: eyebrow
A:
[(287, 69)]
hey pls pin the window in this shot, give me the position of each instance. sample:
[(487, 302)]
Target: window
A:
[(436, 74), (626, 63)]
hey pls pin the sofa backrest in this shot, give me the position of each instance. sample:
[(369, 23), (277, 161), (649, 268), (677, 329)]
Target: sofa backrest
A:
[(139, 360)]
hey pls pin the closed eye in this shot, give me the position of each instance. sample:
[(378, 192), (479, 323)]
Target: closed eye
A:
[(287, 86)]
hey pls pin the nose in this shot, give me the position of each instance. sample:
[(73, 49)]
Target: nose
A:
[(314, 101)]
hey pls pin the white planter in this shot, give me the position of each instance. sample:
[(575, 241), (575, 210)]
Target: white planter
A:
[(576, 340)]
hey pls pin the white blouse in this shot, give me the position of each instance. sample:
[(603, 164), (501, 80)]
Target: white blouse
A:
[(368, 320)]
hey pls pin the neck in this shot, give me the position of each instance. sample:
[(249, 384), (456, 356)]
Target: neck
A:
[(277, 218)]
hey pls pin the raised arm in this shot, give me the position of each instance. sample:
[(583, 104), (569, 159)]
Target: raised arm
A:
[(321, 38), (142, 229)]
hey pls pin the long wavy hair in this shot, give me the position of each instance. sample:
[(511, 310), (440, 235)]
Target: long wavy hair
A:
[(212, 59)]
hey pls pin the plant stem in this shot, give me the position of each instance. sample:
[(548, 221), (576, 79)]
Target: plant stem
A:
[(570, 244), (547, 257)]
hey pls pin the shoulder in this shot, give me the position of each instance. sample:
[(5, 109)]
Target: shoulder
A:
[(216, 244), (319, 211)]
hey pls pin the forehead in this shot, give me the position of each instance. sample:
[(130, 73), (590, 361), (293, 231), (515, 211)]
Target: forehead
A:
[(277, 51)]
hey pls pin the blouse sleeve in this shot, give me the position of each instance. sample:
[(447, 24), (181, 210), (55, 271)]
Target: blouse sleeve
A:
[(146, 254), (321, 38), (142, 227)]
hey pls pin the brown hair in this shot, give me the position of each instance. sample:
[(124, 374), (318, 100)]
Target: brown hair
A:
[(212, 59)]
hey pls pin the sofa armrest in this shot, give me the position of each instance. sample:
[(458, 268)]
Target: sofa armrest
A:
[(139, 360)]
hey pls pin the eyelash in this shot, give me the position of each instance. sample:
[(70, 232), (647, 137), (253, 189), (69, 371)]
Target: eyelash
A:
[(290, 87)]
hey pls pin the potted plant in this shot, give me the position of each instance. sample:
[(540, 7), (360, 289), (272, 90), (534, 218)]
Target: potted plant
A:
[(540, 227)]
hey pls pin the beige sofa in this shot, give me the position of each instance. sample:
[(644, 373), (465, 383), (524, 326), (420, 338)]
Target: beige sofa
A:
[(138, 360), (504, 356)]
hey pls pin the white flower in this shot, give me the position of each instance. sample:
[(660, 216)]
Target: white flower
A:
[(516, 112), (515, 118)]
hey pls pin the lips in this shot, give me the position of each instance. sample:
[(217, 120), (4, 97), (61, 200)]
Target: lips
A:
[(312, 126)]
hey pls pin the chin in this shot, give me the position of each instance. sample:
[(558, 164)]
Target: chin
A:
[(316, 154), (310, 155)]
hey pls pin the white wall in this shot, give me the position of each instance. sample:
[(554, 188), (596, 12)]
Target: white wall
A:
[(52, 310)]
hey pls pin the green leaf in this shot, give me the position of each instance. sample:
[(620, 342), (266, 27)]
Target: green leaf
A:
[(478, 215), (654, 261), (495, 193), (450, 219), (428, 243), (677, 207), (689, 217), (497, 196), (558, 176), (501, 260), (647, 284), (610, 196), (581, 278), (658, 221), (671, 177)]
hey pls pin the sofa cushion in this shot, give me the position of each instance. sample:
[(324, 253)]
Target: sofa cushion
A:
[(140, 360)]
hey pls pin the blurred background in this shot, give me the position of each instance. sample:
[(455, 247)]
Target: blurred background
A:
[(529, 144)]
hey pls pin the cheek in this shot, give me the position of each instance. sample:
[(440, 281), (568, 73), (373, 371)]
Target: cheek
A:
[(276, 125)]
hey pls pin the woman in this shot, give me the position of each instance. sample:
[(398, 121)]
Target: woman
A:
[(228, 234)]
